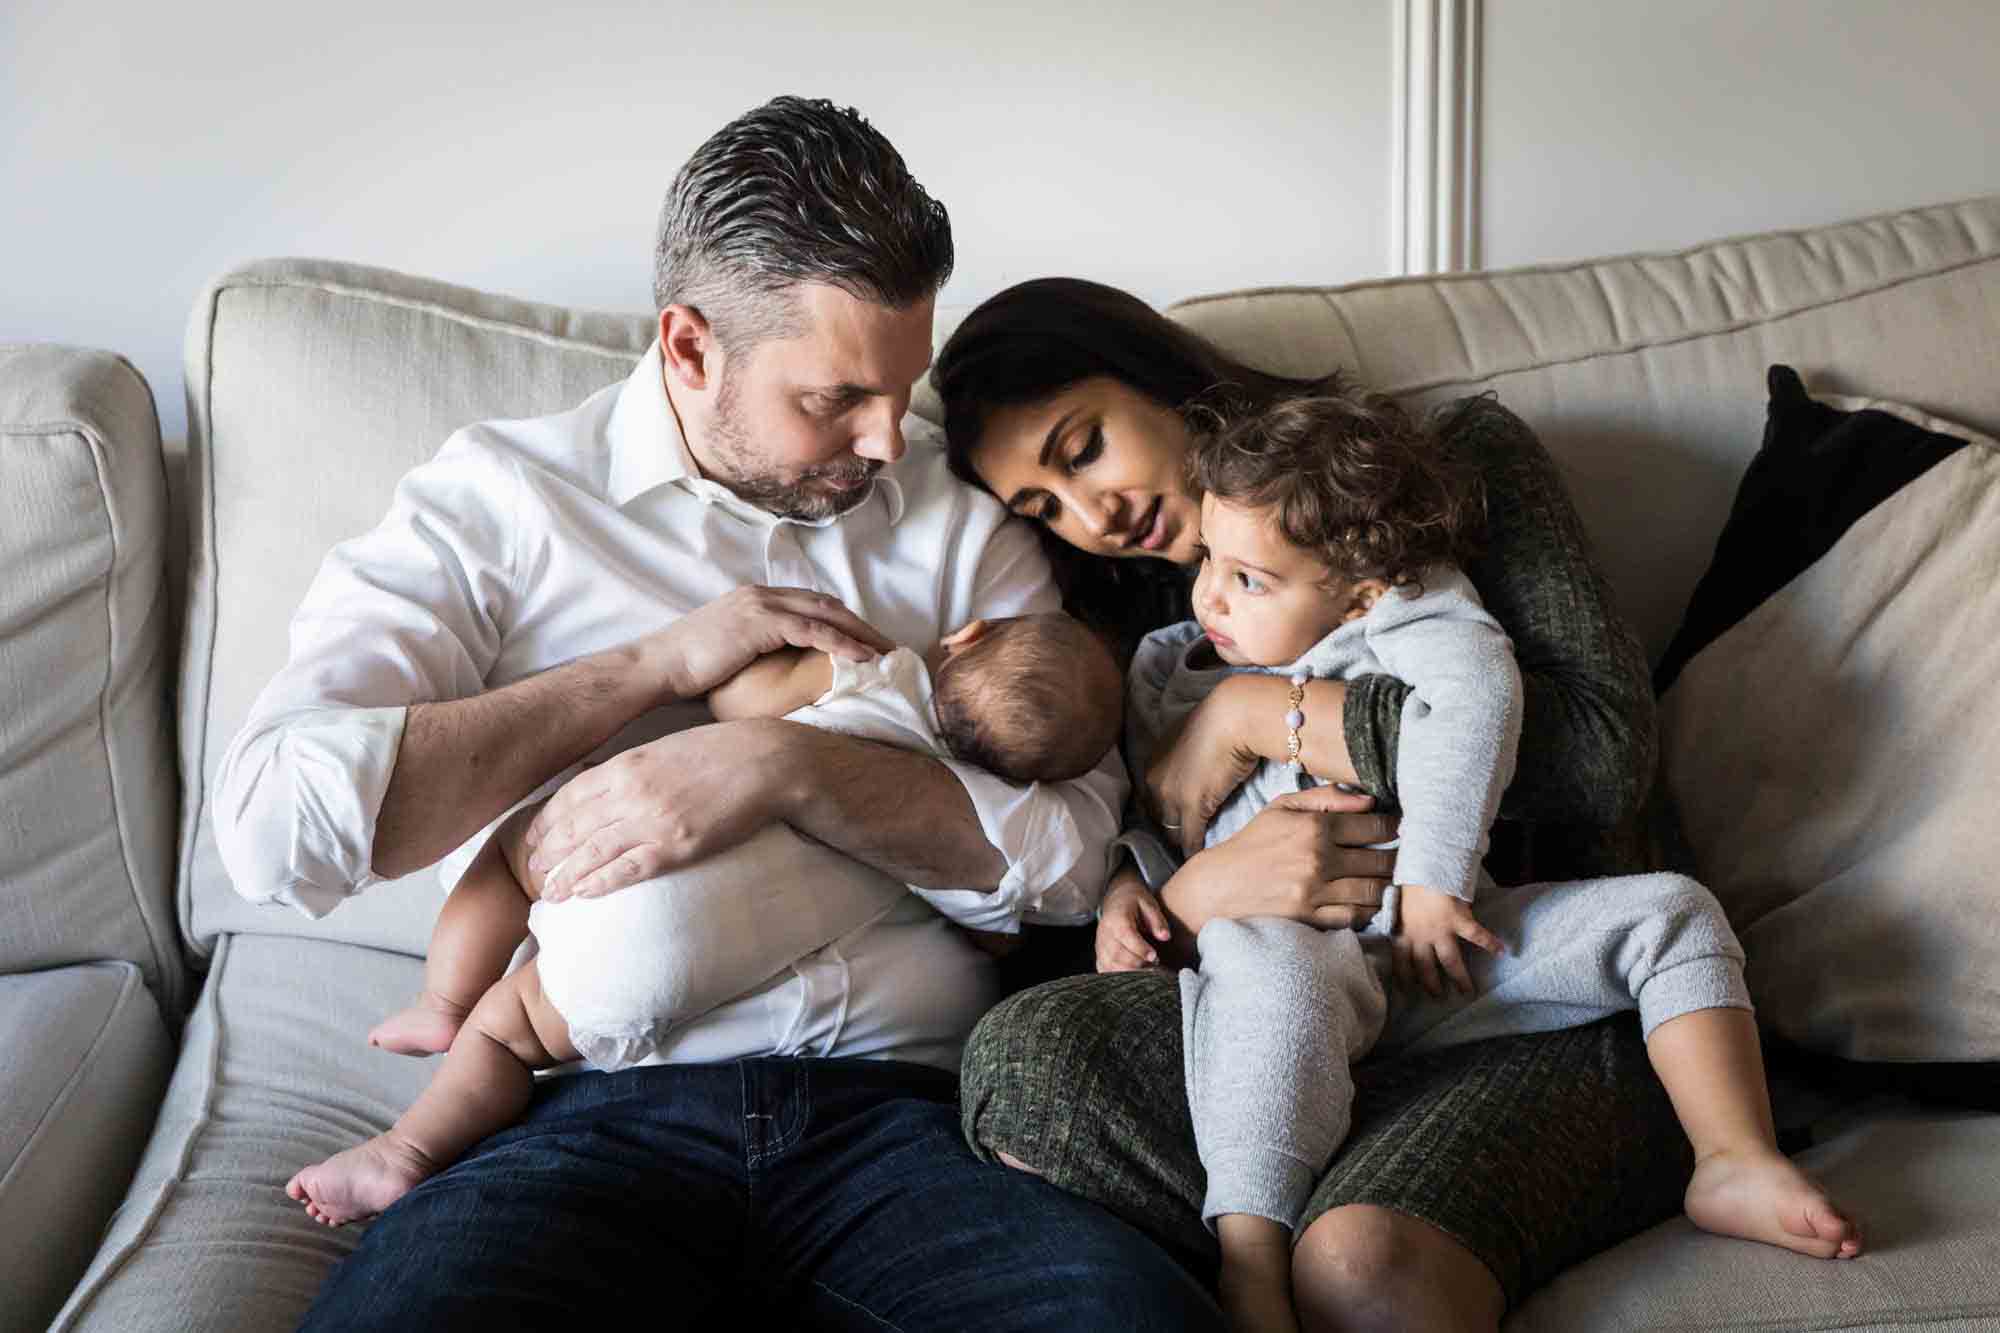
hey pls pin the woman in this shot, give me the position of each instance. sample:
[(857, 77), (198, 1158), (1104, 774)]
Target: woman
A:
[(1473, 1175)]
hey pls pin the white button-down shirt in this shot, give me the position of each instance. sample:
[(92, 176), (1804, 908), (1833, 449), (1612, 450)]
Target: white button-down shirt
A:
[(525, 544)]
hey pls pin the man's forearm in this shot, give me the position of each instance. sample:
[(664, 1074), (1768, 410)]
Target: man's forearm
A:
[(462, 762), (901, 812)]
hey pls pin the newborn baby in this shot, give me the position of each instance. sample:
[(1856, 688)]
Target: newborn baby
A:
[(1031, 698)]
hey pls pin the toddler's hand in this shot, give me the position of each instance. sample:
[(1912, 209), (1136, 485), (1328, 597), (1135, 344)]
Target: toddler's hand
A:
[(1428, 937), (1128, 926)]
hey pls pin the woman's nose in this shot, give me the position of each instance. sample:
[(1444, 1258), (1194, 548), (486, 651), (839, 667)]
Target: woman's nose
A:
[(1096, 513)]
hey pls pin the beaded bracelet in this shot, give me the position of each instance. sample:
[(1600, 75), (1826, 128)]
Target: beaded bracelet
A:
[(1294, 719)]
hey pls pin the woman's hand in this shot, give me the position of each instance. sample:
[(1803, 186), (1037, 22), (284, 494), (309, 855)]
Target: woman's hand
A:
[(1240, 723), (1197, 767), (1307, 855)]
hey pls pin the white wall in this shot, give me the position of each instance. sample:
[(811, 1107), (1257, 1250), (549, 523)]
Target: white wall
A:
[(1169, 146), (521, 147), (1616, 125)]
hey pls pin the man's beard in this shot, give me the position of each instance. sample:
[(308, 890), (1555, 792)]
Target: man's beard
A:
[(805, 496)]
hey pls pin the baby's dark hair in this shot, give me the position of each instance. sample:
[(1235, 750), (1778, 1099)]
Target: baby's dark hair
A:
[(1353, 481), (1036, 698)]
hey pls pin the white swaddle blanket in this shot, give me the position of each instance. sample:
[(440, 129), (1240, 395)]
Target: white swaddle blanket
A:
[(626, 969)]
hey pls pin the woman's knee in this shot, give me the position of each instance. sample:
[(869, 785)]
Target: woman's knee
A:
[(1366, 1267)]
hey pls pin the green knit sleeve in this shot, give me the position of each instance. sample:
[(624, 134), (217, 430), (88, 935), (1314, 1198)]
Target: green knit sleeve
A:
[(1587, 732)]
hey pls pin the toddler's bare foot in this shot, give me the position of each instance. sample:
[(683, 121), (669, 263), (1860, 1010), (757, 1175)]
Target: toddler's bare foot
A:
[(360, 1182), (425, 1028), (1763, 1196), (1255, 1282)]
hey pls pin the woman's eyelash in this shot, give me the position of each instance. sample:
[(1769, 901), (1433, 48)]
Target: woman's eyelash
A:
[(1092, 447)]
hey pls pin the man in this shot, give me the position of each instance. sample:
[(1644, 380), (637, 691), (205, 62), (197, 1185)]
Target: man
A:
[(797, 1156)]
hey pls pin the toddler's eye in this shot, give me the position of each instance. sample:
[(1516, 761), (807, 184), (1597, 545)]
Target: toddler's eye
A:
[(1249, 583)]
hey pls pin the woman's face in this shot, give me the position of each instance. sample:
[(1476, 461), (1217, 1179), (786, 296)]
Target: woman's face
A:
[(1101, 465)]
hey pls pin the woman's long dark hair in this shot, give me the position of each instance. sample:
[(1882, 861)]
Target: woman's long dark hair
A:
[(1036, 339)]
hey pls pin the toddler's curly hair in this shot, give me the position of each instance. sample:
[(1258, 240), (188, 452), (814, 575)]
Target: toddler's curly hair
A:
[(1352, 480)]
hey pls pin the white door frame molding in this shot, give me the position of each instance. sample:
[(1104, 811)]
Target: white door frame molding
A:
[(1434, 157)]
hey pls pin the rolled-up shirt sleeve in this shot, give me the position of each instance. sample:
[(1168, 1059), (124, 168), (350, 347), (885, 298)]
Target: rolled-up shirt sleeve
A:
[(1056, 836), (410, 612)]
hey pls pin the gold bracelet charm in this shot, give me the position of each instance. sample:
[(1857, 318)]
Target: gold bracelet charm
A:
[(1294, 719)]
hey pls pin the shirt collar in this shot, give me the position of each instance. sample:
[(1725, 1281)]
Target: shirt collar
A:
[(648, 450)]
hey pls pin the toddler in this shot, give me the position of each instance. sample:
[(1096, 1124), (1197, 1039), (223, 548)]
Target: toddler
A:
[(1329, 530), (1031, 698)]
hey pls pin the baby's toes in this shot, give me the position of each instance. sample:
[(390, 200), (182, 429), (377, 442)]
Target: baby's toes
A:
[(1830, 1224)]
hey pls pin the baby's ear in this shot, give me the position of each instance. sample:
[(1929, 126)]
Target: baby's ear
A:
[(971, 632), (1363, 596)]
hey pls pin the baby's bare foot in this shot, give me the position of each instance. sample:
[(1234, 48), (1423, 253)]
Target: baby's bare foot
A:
[(360, 1182), (425, 1028), (1763, 1196), (1254, 1284)]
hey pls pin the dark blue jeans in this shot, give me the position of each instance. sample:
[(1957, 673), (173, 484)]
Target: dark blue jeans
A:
[(831, 1194)]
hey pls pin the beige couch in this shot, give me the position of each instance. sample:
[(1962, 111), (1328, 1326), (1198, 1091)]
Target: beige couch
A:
[(312, 386)]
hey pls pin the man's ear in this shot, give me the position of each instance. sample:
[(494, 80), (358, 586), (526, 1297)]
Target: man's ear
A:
[(971, 632), (687, 347)]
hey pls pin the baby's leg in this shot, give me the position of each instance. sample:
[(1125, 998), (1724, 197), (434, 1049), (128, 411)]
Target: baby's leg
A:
[(1271, 1021), (1713, 1068), (484, 920), (482, 1087), (1659, 944)]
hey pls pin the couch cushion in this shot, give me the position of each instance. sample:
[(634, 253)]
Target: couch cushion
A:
[(83, 1059), (313, 387), (275, 1073), (1642, 375), (1829, 742), (1926, 1188), (87, 790)]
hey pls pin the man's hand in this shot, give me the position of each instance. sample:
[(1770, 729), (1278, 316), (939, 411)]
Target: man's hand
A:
[(704, 648), (1428, 936), (1307, 855), (1131, 925), (668, 803)]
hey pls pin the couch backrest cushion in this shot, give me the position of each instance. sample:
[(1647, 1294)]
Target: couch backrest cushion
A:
[(312, 388), (1644, 375), (87, 790)]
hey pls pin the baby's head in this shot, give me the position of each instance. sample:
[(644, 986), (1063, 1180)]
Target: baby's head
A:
[(1033, 698), (1311, 510)]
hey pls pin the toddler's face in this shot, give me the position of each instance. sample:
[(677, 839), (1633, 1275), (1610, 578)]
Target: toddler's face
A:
[(1261, 600)]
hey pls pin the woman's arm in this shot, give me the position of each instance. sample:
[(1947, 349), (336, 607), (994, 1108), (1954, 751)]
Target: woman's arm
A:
[(1587, 739)]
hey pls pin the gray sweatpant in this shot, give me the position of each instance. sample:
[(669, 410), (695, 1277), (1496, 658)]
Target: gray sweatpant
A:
[(1278, 1011)]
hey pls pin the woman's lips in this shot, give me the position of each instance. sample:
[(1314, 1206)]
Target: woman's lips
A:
[(1156, 528)]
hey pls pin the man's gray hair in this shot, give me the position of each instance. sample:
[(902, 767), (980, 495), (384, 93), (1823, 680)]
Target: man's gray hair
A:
[(795, 191)]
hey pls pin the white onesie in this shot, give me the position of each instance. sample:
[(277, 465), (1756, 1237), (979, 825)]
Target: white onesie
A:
[(625, 969)]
